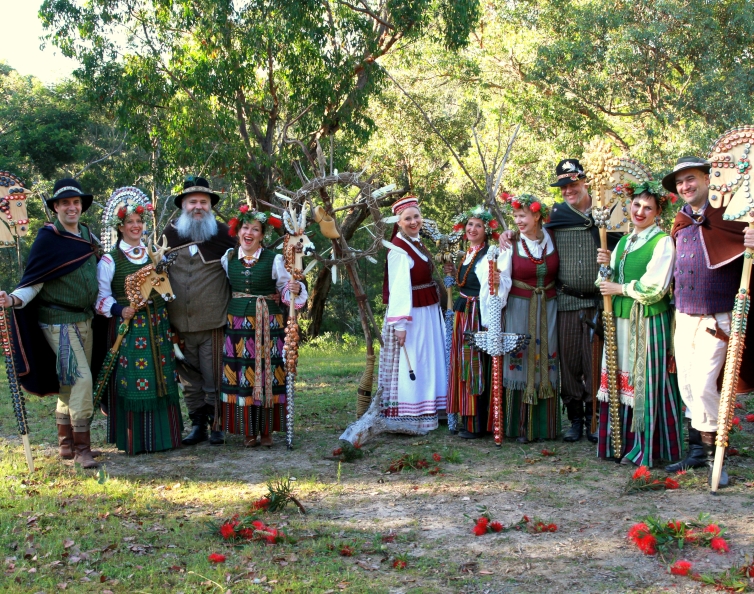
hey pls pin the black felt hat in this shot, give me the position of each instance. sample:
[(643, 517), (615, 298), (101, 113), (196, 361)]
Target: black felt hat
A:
[(69, 188), (567, 172), (668, 182), (194, 185)]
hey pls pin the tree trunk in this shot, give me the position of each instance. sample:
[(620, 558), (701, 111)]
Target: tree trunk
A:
[(318, 296)]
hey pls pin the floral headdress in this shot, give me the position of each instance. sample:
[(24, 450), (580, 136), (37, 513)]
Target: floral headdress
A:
[(534, 204), (478, 212), (122, 204), (652, 187), (248, 215)]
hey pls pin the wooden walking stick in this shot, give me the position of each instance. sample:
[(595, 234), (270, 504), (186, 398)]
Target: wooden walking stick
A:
[(731, 189), (606, 174), (411, 373)]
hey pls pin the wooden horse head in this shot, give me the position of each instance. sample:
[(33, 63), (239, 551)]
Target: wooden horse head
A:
[(13, 215), (152, 277)]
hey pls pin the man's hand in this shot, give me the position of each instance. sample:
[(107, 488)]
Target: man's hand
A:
[(506, 239)]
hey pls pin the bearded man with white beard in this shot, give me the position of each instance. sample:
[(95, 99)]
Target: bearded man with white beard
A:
[(199, 311)]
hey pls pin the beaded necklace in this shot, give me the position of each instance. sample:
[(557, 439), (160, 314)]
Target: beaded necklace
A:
[(537, 261), (250, 261), (472, 250)]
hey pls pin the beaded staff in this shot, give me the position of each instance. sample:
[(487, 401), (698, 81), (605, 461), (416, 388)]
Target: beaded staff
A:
[(497, 344), (731, 188), (19, 403), (295, 245)]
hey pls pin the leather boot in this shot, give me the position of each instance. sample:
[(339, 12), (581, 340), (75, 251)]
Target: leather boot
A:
[(82, 445), (65, 435), (216, 436), (576, 416), (592, 437), (198, 432), (266, 440), (695, 458), (708, 443)]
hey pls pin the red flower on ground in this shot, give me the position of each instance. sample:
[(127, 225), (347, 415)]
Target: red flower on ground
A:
[(216, 558), (733, 451), (436, 457), (228, 530), (750, 570), (435, 470), (547, 452), (552, 528), (671, 483), (479, 529), (399, 564), (261, 504), (496, 527), (258, 525), (647, 544), (526, 519), (680, 473), (638, 531), (247, 533), (719, 544), (680, 568), (642, 473), (713, 529), (750, 418), (690, 536)]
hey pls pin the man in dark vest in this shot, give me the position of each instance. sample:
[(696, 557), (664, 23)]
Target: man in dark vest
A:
[(707, 275), (199, 311), (577, 240), (52, 321)]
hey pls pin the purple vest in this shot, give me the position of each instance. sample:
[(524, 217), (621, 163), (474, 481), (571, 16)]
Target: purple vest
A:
[(698, 289)]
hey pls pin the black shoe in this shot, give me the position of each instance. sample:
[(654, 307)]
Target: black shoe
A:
[(216, 438), (198, 434), (463, 434), (592, 437), (695, 458), (574, 433), (522, 439)]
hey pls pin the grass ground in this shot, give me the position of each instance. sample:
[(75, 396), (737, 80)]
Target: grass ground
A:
[(147, 523)]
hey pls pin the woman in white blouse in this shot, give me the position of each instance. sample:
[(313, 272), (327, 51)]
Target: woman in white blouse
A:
[(469, 377), (641, 268), (529, 268), (413, 332), (144, 413)]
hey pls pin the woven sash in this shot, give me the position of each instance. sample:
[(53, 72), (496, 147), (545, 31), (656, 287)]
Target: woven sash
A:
[(262, 350)]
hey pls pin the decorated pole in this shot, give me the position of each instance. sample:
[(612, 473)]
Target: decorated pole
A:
[(19, 404), (731, 188)]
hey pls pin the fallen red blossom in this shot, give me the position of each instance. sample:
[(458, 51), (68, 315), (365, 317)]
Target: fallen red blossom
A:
[(680, 568), (216, 558)]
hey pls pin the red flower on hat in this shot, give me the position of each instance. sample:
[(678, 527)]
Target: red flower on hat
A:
[(122, 212), (458, 227), (504, 197), (150, 207), (139, 209), (673, 198), (493, 224), (535, 207), (495, 235), (516, 204), (233, 224), (244, 208), (275, 221)]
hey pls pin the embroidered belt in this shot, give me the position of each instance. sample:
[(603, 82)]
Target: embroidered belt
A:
[(545, 387), (274, 297), (426, 286)]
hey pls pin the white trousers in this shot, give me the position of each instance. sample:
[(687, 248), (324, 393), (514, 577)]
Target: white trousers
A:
[(700, 358)]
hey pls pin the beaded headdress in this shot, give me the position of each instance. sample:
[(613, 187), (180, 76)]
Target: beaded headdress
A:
[(530, 201), (478, 212), (122, 203), (248, 215)]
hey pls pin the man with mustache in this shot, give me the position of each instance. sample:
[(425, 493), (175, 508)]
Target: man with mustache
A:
[(707, 276), (198, 313)]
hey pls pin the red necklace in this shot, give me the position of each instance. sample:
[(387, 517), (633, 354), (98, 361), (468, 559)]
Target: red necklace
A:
[(462, 283), (537, 261)]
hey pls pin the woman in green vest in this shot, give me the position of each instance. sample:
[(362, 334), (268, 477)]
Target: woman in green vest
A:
[(252, 399), (641, 269), (144, 413)]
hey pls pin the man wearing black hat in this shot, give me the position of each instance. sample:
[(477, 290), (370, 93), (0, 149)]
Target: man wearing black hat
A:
[(577, 240), (199, 311), (54, 305), (707, 276)]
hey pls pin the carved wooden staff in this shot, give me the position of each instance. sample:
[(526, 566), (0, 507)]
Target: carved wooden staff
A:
[(731, 187), (19, 404)]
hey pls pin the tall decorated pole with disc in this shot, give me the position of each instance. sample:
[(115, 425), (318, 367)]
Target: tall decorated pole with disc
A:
[(607, 175), (731, 188)]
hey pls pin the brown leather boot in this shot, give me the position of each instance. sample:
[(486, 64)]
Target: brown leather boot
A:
[(82, 451), (250, 441), (65, 435), (266, 440)]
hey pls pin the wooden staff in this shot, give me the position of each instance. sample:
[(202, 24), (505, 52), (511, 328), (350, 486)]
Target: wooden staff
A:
[(732, 367)]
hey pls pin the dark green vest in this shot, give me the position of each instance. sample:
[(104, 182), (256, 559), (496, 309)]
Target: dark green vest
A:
[(256, 280), (123, 268), (633, 268)]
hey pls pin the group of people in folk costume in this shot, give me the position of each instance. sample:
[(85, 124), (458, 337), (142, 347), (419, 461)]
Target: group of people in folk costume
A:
[(672, 298), (230, 372)]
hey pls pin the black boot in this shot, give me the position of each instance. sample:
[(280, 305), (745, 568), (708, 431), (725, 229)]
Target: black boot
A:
[(576, 416), (198, 432), (695, 458), (592, 437), (708, 443), (216, 436)]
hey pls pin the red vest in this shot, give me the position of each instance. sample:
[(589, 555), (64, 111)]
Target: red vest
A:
[(421, 274), (525, 270)]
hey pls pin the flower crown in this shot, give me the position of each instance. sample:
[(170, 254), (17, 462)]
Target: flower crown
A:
[(125, 211), (248, 215), (478, 212), (534, 204), (652, 187)]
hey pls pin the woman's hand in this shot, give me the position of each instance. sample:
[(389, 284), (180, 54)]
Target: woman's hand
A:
[(5, 299), (448, 269), (128, 313), (400, 337), (749, 238), (496, 277), (294, 287), (608, 288), (603, 256)]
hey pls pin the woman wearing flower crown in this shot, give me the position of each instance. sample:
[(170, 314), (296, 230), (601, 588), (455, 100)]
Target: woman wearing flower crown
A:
[(144, 413), (413, 331), (530, 376), (641, 268), (468, 392), (252, 399)]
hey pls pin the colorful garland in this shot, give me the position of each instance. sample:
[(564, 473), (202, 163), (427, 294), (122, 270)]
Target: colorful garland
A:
[(125, 211), (652, 187), (531, 202), (478, 212), (248, 215)]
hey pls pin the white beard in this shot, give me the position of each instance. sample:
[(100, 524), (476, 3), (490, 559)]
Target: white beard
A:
[(197, 230)]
